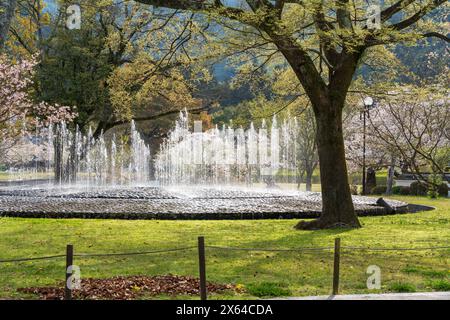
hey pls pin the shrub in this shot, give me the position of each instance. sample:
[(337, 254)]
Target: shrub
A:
[(435, 181), (402, 287), (378, 189), (396, 189), (440, 285), (411, 269), (418, 189), (404, 191), (432, 194), (268, 289), (443, 190), (426, 272)]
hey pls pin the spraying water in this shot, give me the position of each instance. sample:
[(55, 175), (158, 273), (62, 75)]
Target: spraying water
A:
[(227, 155), (68, 157), (218, 156)]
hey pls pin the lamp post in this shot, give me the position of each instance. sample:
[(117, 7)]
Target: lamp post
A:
[(368, 104)]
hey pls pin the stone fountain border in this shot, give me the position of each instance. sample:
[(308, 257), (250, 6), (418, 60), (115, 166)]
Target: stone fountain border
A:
[(171, 206)]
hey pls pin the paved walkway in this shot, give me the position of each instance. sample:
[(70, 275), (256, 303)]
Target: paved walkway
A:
[(385, 296)]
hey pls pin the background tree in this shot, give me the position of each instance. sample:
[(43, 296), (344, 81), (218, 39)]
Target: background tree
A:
[(7, 9), (377, 155), (307, 152), (88, 67), (415, 125), (29, 28)]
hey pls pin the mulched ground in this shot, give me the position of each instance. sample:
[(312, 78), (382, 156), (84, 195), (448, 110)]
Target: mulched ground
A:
[(132, 287)]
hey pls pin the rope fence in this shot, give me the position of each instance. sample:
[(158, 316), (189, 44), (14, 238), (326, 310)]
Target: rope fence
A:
[(329, 248), (304, 249), (32, 259), (396, 249), (99, 255), (272, 250), (201, 246)]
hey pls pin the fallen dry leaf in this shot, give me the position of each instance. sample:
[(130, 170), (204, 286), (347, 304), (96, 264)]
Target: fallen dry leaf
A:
[(124, 288)]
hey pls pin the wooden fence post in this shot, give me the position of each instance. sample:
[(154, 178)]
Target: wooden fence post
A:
[(337, 258), (202, 267), (69, 262)]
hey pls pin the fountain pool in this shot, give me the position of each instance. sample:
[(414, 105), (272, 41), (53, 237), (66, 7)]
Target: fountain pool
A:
[(224, 173), (181, 202)]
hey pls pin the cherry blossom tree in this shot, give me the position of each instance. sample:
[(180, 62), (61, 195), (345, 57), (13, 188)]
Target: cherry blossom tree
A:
[(377, 155), (409, 126), (415, 126), (19, 114)]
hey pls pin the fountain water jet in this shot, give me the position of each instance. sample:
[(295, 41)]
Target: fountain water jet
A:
[(227, 155), (70, 158)]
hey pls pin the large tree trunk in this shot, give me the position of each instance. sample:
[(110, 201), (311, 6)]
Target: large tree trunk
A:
[(337, 205), (328, 102), (7, 9)]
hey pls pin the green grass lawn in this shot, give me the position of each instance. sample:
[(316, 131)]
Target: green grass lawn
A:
[(260, 273), (5, 176)]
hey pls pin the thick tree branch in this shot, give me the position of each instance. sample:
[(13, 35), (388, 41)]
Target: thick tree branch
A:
[(158, 116), (324, 28), (386, 14), (418, 15), (372, 40), (436, 35), (205, 6)]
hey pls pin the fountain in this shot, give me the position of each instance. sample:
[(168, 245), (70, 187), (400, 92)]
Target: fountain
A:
[(219, 173)]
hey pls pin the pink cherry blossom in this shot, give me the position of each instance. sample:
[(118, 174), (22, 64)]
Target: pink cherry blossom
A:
[(18, 112)]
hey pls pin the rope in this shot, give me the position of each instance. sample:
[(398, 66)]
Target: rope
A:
[(35, 258), (329, 248), (396, 249), (271, 250), (88, 255)]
